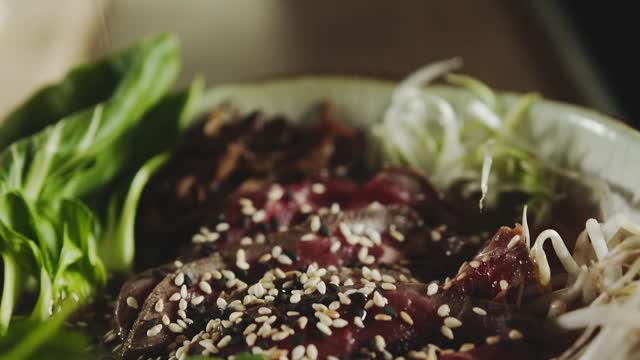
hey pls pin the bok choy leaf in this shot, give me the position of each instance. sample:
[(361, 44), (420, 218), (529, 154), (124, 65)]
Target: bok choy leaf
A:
[(67, 138)]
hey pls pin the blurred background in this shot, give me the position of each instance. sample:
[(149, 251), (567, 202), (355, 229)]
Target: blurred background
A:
[(565, 50)]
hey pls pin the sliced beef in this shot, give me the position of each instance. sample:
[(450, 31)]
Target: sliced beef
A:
[(228, 150), (351, 312)]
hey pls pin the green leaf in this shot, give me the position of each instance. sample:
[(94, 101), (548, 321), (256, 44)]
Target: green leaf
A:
[(148, 71), (118, 245), (29, 339)]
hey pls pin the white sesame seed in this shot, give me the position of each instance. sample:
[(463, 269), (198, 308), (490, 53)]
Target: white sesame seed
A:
[(159, 305), (275, 193), (222, 303), (182, 305), (276, 251), (205, 287), (222, 227), (514, 240), (515, 335), (155, 330), (179, 279), (358, 321), (324, 328), (305, 208), (335, 208), (246, 241), (436, 236), (179, 263), (339, 323), (302, 322), (298, 352), (348, 282), (383, 317), (312, 352), (491, 340), (251, 339), (308, 237), (335, 246), (395, 233), (224, 341), (443, 310), (279, 336), (379, 300), (388, 286), (182, 314), (165, 319), (260, 238), (315, 223), (380, 343), (216, 274), (474, 264), (175, 328), (229, 274), (466, 347), (295, 298), (452, 322), (197, 300), (321, 287), (446, 332), (324, 318), (406, 317), (284, 260), (132, 302), (504, 285), (183, 291), (259, 216), (480, 311), (318, 188)]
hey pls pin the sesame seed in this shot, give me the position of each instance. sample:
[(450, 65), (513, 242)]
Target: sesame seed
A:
[(379, 300), (298, 352), (443, 310), (388, 286), (335, 246), (432, 289), (474, 264), (302, 322), (205, 287), (383, 317), (446, 332), (246, 241), (308, 237), (321, 287), (276, 251), (466, 347), (279, 336), (318, 188), (339, 323), (197, 300), (480, 311), (514, 240), (312, 352), (348, 282), (259, 216), (305, 208), (491, 340), (504, 285), (182, 314), (515, 335), (395, 233), (380, 343), (324, 328), (155, 330), (358, 321), (406, 317), (275, 193), (315, 223), (132, 302), (175, 328), (222, 227), (165, 319), (335, 208), (183, 291), (183, 304), (452, 322), (229, 274), (295, 298), (179, 279), (159, 305), (224, 341)]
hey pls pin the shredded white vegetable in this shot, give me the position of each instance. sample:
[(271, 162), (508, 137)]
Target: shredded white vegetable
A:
[(560, 249), (486, 169)]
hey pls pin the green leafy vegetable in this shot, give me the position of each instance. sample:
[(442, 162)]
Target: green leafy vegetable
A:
[(48, 235)]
